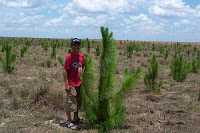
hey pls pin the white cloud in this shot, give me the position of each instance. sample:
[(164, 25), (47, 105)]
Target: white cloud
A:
[(141, 22), (57, 21), (99, 6), (22, 3), (21, 20), (89, 21), (170, 8), (140, 17), (183, 22)]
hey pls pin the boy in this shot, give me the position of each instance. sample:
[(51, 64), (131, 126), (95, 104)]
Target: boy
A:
[(73, 66)]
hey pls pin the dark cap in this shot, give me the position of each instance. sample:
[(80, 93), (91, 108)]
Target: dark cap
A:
[(75, 41)]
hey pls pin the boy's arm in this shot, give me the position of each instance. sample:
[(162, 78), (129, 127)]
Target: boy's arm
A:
[(66, 68), (67, 89)]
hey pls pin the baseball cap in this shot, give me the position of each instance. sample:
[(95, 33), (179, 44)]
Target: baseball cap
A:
[(76, 40)]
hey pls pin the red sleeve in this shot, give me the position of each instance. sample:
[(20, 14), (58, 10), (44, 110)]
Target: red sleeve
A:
[(83, 64), (67, 62)]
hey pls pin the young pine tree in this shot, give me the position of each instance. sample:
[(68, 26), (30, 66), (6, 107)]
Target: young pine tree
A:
[(8, 61), (53, 52), (97, 52), (195, 65), (166, 54), (88, 46), (151, 77), (179, 68), (129, 49), (104, 106)]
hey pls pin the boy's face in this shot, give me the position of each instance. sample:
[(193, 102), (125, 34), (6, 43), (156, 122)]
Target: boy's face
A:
[(76, 47)]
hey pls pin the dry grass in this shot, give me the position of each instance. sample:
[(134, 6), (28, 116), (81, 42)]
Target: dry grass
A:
[(34, 93)]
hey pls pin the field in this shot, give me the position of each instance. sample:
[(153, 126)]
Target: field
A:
[(34, 92)]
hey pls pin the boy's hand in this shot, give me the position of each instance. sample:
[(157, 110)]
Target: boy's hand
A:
[(67, 89)]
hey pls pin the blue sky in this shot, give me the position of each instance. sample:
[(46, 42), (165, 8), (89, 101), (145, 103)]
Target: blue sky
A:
[(144, 20)]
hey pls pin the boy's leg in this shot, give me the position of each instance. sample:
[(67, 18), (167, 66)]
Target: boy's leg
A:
[(76, 116), (69, 118), (78, 99)]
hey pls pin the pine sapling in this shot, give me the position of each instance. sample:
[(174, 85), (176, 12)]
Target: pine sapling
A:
[(129, 49), (151, 77), (104, 106), (53, 52), (195, 65), (88, 46), (153, 47), (97, 52), (166, 54), (179, 68), (8, 61)]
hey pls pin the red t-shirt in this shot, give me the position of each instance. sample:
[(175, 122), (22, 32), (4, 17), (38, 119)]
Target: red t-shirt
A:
[(72, 63)]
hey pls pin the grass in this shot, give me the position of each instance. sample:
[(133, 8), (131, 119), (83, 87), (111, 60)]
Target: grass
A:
[(4, 113), (40, 79)]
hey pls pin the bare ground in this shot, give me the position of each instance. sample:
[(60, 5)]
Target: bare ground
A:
[(34, 94)]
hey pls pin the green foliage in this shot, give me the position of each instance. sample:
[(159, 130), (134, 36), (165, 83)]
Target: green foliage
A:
[(195, 49), (195, 65), (53, 52), (179, 68), (69, 50), (25, 48), (153, 47), (45, 46), (151, 76), (89, 93), (198, 55), (166, 54), (8, 61), (188, 52), (104, 107), (97, 52), (88, 46), (129, 49), (16, 43), (5, 113), (161, 50), (61, 60)]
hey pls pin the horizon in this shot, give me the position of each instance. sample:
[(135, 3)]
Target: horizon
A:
[(139, 20)]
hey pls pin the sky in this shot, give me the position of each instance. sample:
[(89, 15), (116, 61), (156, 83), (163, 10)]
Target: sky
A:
[(142, 20)]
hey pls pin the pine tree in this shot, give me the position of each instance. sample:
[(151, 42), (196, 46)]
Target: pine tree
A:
[(104, 106), (53, 52), (88, 46), (179, 68), (97, 52), (166, 54), (195, 65), (151, 77), (8, 62), (129, 49)]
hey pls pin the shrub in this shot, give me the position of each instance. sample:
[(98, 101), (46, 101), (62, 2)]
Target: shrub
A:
[(23, 50), (195, 65), (129, 49), (88, 46), (179, 68), (97, 52), (53, 52), (151, 76), (166, 54), (8, 61), (153, 47)]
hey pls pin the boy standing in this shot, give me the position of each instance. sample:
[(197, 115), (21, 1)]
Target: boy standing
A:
[(73, 66)]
